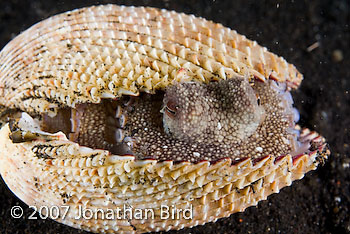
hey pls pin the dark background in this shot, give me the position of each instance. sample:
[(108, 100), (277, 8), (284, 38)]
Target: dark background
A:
[(319, 203)]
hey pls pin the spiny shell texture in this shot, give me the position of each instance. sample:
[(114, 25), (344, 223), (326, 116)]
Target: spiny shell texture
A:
[(107, 52)]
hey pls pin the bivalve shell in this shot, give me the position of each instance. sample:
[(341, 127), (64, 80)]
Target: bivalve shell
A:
[(147, 120)]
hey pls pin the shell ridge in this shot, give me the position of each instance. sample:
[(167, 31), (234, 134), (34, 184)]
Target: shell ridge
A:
[(103, 54)]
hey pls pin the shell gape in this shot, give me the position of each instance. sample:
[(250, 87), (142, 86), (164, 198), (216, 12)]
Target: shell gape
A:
[(219, 112), (87, 97), (189, 121)]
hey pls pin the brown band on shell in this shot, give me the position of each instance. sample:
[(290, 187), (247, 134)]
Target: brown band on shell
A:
[(61, 122)]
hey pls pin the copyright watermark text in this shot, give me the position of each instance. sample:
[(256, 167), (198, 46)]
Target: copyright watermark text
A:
[(44, 212), (125, 212)]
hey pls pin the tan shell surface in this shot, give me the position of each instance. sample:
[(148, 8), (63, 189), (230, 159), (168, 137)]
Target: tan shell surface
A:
[(75, 177), (105, 52)]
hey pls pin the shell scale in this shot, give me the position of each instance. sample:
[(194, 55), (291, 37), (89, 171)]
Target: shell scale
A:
[(108, 51), (71, 175)]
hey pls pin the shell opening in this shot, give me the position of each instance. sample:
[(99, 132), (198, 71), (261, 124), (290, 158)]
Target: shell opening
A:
[(139, 126)]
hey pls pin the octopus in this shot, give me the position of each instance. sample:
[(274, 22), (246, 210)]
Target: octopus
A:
[(111, 108)]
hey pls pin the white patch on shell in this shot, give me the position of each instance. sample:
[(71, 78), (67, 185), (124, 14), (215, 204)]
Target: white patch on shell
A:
[(119, 135), (259, 149), (28, 123), (118, 112), (219, 126)]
